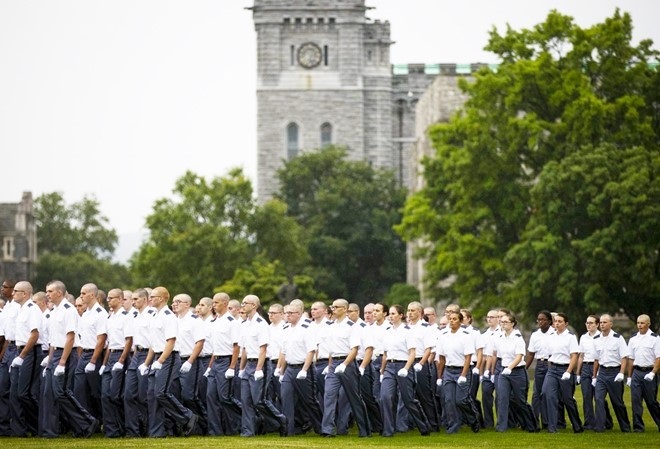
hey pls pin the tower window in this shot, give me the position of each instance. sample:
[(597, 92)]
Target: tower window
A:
[(287, 20), (310, 21), (325, 55), (298, 20), (293, 55), (320, 20), (331, 20), (292, 147), (326, 135), (8, 248)]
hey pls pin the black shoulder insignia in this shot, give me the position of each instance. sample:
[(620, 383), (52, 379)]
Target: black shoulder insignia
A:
[(230, 318), (305, 325), (329, 322), (466, 332), (308, 321), (634, 335), (363, 324), (349, 322), (48, 315), (570, 333), (99, 310), (150, 311), (167, 312), (597, 336), (476, 329), (194, 316), (67, 305), (125, 312), (463, 326), (519, 335), (425, 324), (135, 314), (30, 305), (259, 320), (615, 335), (653, 334), (406, 327)]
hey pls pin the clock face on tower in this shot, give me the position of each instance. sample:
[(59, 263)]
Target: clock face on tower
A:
[(309, 55)]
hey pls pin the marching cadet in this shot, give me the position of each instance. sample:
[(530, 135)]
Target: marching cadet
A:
[(378, 328), (7, 353), (117, 357), (537, 350), (136, 381), (321, 322), (488, 337), (609, 371), (644, 364), (275, 329)]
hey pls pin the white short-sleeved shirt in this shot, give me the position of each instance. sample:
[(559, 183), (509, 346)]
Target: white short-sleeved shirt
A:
[(509, 347), (587, 346), (397, 342), (207, 349), (10, 312), (92, 323), (423, 336), (116, 329), (298, 341), (538, 343), (488, 338), (562, 346), (366, 339), (378, 334), (225, 332), (190, 331), (141, 324), (28, 319), (275, 340), (254, 334), (342, 337), (63, 319), (163, 327), (610, 350), (44, 330), (454, 346), (644, 348)]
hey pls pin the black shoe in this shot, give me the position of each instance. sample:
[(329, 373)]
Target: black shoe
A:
[(284, 431), (190, 426), (426, 434), (475, 426), (90, 430), (580, 430), (327, 435)]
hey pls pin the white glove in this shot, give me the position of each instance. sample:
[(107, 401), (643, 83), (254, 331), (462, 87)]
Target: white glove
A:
[(381, 378), (619, 378), (185, 368), (402, 372), (143, 369), (650, 376), (506, 371), (578, 379), (241, 374), (101, 370), (207, 372), (156, 365), (361, 370), (340, 369), (481, 379), (302, 374), (90, 367), (18, 361), (258, 374), (277, 372), (417, 367), (487, 374), (566, 375), (461, 380), (230, 373), (492, 378), (629, 381), (43, 374), (439, 382), (593, 382), (325, 371), (59, 370), (475, 371), (118, 366), (44, 362), (281, 379)]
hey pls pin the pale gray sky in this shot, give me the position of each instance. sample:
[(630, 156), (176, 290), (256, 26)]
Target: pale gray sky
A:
[(118, 98)]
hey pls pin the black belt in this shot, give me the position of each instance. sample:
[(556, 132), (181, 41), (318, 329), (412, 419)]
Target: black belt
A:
[(11, 342), (112, 351), (418, 359), (518, 368), (618, 367), (206, 356), (141, 349), (88, 350), (20, 348), (158, 354), (644, 369), (541, 360), (253, 360), (295, 365), (222, 357), (55, 348), (588, 363), (561, 365), (322, 359), (454, 367), (396, 361), (337, 356)]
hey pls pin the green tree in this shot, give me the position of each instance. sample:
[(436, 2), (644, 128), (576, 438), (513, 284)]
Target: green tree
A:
[(347, 210), (562, 98), (208, 230)]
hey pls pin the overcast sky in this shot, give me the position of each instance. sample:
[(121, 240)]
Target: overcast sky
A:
[(119, 98)]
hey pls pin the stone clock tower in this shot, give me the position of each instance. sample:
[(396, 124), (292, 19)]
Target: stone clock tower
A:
[(324, 77)]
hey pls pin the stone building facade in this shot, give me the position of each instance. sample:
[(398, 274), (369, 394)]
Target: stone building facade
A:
[(18, 235)]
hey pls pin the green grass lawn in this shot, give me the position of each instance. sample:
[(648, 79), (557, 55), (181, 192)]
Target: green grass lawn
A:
[(565, 439)]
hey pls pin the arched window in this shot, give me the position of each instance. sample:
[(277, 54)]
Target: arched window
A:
[(292, 140), (326, 135)]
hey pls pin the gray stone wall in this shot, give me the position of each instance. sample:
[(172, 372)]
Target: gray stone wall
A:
[(18, 237)]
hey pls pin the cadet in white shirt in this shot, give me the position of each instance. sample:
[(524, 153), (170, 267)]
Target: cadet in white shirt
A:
[(117, 357), (318, 313), (25, 375), (537, 350), (62, 329), (643, 366), (559, 381), (455, 349), (512, 383), (92, 331), (136, 382), (609, 370), (487, 379), (296, 359), (224, 414), (275, 329), (164, 370), (7, 353)]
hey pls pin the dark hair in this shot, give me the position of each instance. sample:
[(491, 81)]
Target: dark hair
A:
[(399, 308), (505, 311), (563, 315), (547, 314), (596, 318), (512, 318), (460, 315)]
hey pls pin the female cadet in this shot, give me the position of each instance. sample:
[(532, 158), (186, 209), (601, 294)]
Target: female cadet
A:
[(398, 358), (512, 383), (455, 349), (559, 381)]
